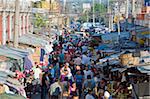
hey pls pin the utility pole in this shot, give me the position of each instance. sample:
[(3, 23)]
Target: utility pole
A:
[(17, 13), (127, 12), (133, 8), (127, 9), (109, 15), (93, 12), (87, 16), (50, 3), (118, 24), (112, 24), (100, 1)]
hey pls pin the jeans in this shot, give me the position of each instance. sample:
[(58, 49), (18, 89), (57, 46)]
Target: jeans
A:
[(44, 92)]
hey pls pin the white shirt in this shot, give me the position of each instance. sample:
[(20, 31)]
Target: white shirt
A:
[(37, 72), (69, 72), (53, 87), (88, 96)]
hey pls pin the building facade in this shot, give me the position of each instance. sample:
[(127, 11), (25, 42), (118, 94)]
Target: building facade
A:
[(7, 19), (143, 16)]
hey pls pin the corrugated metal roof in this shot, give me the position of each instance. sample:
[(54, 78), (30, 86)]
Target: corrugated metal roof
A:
[(33, 40), (13, 52), (114, 36)]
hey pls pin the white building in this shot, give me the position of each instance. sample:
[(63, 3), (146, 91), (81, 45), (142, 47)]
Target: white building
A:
[(7, 16)]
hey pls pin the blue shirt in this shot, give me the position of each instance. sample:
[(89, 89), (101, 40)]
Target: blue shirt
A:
[(61, 57), (52, 72), (79, 79)]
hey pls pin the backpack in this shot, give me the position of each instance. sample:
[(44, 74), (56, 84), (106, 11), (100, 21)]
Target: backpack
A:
[(56, 92)]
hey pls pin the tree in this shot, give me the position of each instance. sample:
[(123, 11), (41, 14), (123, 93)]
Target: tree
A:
[(100, 8), (100, 11), (39, 21)]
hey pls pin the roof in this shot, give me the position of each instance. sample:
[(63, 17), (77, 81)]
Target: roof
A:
[(3, 58), (96, 35), (33, 40), (14, 53), (144, 69), (144, 36), (138, 29), (114, 36)]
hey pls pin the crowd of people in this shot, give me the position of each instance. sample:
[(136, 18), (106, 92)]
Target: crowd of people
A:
[(72, 73)]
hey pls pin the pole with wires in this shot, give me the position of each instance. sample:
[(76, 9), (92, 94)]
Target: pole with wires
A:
[(93, 12)]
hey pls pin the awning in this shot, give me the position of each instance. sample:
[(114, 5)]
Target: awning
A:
[(118, 69), (139, 29), (103, 47), (113, 37), (144, 69), (13, 52), (3, 58), (144, 36), (34, 40)]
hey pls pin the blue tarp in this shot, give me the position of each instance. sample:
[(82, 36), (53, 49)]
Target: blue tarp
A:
[(114, 36), (144, 69), (102, 47)]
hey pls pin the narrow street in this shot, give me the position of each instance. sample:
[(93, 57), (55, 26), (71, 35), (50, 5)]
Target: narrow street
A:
[(74, 49)]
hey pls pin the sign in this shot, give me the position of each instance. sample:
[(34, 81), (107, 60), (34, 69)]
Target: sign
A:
[(147, 2), (86, 6)]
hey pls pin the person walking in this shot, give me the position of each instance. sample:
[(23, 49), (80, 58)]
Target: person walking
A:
[(45, 85), (55, 90)]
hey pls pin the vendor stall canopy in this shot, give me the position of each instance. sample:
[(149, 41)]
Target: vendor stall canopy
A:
[(14, 53), (34, 40)]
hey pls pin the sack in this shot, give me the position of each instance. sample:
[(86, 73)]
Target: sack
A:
[(56, 92)]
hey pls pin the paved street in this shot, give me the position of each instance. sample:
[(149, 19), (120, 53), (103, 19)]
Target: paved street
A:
[(37, 96), (74, 49)]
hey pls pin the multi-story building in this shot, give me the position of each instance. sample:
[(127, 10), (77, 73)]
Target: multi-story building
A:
[(7, 19), (143, 16)]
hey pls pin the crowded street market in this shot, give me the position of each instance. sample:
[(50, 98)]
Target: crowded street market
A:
[(74, 49)]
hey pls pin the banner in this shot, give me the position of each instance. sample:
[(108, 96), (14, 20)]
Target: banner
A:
[(147, 2)]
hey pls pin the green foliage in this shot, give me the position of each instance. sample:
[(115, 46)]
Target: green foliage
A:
[(100, 8), (83, 18), (37, 4), (39, 21)]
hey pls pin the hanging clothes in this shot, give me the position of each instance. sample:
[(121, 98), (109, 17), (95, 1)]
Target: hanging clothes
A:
[(27, 63), (42, 55)]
